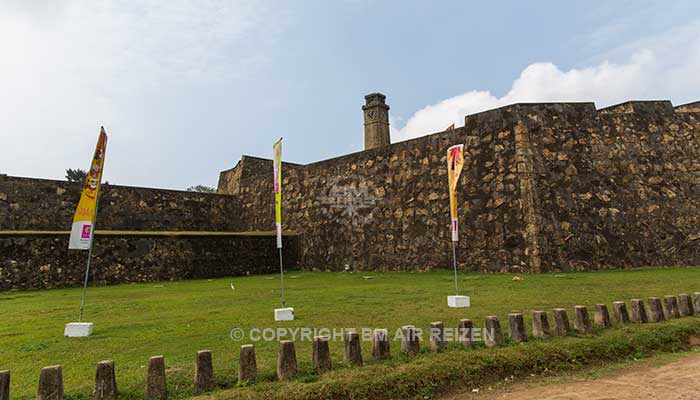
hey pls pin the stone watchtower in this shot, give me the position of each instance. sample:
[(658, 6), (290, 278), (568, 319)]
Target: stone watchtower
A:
[(376, 121)]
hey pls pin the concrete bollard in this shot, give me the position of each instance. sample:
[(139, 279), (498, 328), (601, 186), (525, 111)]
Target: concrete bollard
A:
[(437, 336), (203, 372), (516, 327), (582, 322), (493, 335), (685, 305), (321, 355), (105, 381), (620, 312), (464, 330), (540, 324), (561, 322), (50, 383), (601, 317), (381, 349), (671, 307), (4, 385), (656, 313), (247, 364), (353, 350), (696, 302), (410, 342), (155, 379), (638, 312), (286, 361)]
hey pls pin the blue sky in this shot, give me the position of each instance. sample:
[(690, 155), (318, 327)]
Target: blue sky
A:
[(185, 88)]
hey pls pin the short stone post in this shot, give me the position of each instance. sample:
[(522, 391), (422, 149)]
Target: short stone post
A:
[(204, 372), (4, 385), (437, 336), (410, 342), (540, 324), (50, 383), (601, 317), (381, 349), (287, 361), (247, 364), (155, 379), (671, 307), (561, 322), (105, 381), (516, 327), (696, 302), (353, 350), (464, 330), (493, 335), (582, 323), (656, 313), (321, 355), (685, 305), (620, 312), (638, 312)]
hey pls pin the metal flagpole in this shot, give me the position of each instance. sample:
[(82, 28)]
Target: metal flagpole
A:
[(282, 276), (92, 243), (454, 263)]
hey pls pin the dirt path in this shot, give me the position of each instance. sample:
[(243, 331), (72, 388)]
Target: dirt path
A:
[(674, 381)]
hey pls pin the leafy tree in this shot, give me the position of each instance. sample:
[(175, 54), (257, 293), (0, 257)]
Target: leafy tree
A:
[(201, 189), (76, 175)]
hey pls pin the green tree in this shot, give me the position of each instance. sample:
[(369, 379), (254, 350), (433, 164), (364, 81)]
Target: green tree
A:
[(201, 189), (76, 175)]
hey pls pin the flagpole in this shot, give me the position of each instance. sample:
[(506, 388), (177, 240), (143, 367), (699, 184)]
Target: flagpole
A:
[(92, 243), (282, 276), (454, 263)]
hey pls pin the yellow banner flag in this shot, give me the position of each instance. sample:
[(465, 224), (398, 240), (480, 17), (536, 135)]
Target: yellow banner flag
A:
[(455, 162), (277, 169), (84, 220)]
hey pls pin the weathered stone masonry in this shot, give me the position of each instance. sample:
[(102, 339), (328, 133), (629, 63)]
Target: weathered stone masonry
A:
[(545, 187)]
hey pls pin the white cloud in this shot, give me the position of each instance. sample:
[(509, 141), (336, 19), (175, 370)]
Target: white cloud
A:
[(67, 67), (662, 67)]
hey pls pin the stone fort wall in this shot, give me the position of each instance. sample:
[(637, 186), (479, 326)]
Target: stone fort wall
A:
[(546, 187)]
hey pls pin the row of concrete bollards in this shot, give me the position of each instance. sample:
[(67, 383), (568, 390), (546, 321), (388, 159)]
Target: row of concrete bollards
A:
[(51, 378)]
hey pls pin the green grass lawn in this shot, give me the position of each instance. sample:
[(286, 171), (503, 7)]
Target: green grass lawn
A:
[(134, 322)]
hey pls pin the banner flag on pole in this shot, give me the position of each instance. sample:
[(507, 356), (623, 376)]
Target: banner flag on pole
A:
[(82, 231), (277, 167), (455, 162)]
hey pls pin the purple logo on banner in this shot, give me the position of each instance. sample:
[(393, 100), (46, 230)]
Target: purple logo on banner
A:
[(86, 231)]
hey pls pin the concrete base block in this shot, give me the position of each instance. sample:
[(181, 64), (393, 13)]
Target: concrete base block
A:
[(458, 301), (561, 322), (284, 314), (78, 329)]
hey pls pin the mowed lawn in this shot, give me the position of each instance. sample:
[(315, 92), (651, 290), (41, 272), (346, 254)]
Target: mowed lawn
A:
[(175, 319)]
